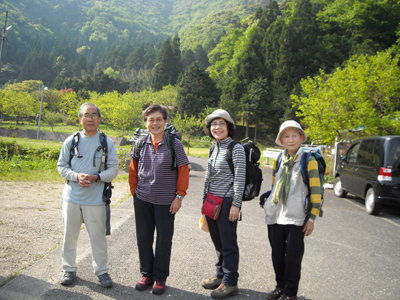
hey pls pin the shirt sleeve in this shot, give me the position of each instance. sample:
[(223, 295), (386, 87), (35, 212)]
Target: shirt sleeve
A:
[(63, 162), (239, 163), (183, 180), (133, 176), (111, 172), (315, 187)]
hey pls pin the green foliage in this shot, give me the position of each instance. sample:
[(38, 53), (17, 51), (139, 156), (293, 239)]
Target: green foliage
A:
[(52, 119), (196, 90), (68, 38), (188, 125), (365, 92)]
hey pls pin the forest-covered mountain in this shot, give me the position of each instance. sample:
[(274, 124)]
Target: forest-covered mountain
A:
[(61, 30)]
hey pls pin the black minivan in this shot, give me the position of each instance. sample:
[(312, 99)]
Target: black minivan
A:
[(370, 170)]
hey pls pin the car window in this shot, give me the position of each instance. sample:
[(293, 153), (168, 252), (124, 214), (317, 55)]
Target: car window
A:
[(365, 153), (352, 154), (377, 154), (393, 156)]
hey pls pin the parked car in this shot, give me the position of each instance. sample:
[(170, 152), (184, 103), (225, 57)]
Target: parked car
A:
[(370, 170)]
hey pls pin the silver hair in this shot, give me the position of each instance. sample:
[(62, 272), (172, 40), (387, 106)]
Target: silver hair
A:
[(88, 103)]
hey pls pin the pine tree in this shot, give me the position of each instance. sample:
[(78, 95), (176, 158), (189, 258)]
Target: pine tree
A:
[(196, 91), (163, 71)]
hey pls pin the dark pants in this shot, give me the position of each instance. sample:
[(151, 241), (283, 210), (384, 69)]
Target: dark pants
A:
[(287, 243), (223, 234), (148, 218)]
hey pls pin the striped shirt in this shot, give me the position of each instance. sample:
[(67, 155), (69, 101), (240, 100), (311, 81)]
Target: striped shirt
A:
[(219, 179), (156, 181)]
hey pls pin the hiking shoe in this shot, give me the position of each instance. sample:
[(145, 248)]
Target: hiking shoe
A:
[(275, 294), (105, 280), (68, 278), (143, 283), (285, 297), (211, 283), (158, 287), (225, 291)]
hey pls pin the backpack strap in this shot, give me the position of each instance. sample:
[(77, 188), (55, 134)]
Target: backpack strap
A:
[(171, 145), (139, 145), (104, 145), (228, 156), (304, 169), (278, 161), (170, 141), (73, 150)]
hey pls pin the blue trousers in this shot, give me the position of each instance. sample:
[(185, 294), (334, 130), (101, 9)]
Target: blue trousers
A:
[(287, 244), (150, 217), (224, 237)]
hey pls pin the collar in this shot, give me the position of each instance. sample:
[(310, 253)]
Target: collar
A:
[(298, 153), (224, 142)]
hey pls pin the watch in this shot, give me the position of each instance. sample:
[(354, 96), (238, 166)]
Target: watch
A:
[(179, 196), (98, 177)]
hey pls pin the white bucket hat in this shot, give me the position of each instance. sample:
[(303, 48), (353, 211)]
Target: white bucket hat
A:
[(286, 125), (219, 113)]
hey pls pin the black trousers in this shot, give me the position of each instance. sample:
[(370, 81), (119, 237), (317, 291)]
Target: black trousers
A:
[(150, 217), (224, 237), (287, 244)]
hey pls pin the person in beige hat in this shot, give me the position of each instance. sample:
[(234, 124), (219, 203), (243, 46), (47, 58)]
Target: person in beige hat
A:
[(284, 211), (221, 182)]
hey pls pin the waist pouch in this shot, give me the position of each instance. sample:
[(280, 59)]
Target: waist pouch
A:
[(212, 206)]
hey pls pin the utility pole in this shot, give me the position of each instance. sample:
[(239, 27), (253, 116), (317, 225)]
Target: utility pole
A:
[(3, 37), (44, 88)]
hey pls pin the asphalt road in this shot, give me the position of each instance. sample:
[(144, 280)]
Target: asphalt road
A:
[(350, 255)]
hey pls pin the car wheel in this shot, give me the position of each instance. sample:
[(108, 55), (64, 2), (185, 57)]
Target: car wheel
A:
[(337, 188), (371, 206)]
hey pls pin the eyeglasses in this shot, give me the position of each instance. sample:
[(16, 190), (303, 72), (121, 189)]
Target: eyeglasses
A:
[(92, 116), (158, 120), (220, 124)]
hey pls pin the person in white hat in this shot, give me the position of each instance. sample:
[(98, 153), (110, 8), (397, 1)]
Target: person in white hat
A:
[(221, 182), (285, 214)]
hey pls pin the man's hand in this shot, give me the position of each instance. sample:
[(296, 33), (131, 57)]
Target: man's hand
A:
[(85, 180)]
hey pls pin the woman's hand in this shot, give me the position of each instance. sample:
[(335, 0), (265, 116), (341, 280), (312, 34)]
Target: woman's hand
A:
[(175, 206), (308, 228), (234, 213)]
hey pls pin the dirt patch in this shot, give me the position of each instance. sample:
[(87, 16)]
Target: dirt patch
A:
[(31, 222)]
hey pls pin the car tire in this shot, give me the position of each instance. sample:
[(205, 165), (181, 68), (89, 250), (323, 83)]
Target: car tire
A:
[(371, 206), (337, 188)]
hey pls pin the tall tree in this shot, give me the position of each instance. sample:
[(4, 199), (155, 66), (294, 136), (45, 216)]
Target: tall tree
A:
[(176, 51), (163, 71), (196, 91), (201, 56)]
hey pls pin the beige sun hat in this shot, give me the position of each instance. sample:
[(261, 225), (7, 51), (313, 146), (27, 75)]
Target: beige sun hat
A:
[(289, 124), (220, 113)]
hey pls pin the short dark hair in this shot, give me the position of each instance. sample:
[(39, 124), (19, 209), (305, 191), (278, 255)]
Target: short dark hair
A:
[(91, 104), (231, 129), (153, 108)]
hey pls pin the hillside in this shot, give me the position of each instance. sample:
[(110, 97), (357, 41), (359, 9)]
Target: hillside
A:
[(63, 29)]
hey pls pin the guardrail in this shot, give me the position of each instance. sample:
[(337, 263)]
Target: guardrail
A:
[(271, 153)]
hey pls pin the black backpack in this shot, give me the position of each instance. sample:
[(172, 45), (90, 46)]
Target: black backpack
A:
[(172, 133), (107, 191), (254, 175)]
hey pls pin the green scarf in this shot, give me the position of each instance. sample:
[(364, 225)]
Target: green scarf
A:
[(283, 183)]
